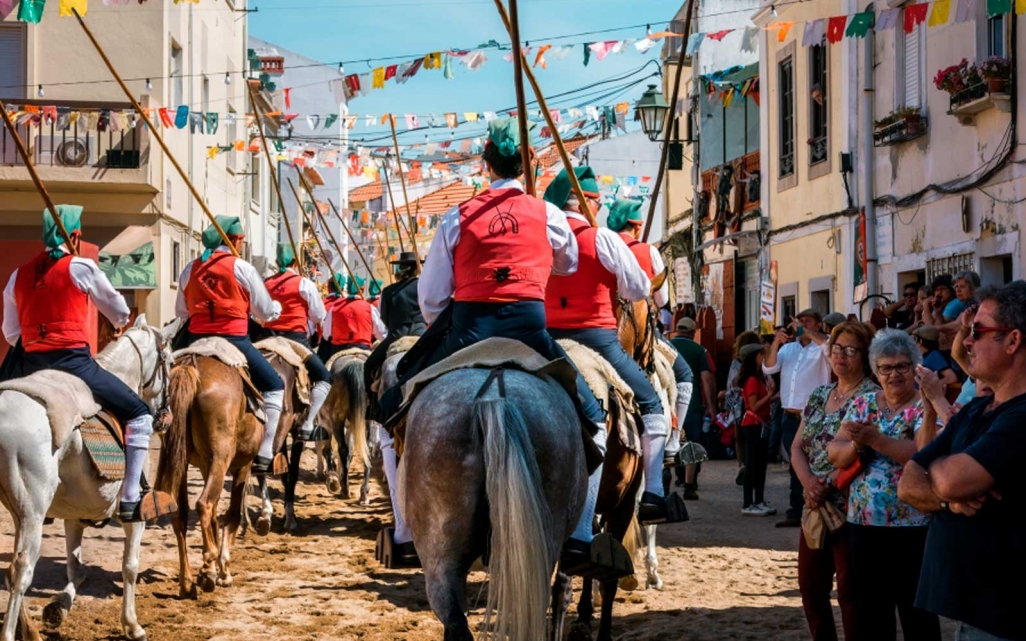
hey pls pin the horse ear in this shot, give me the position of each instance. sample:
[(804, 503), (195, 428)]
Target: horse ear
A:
[(140, 321), (168, 331)]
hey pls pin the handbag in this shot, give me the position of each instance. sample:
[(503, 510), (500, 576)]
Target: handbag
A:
[(849, 474)]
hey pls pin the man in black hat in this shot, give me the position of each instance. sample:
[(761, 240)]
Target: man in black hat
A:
[(402, 316)]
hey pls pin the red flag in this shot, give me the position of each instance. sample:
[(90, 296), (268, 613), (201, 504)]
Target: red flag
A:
[(288, 98), (835, 28), (915, 15), (719, 35), (390, 71)]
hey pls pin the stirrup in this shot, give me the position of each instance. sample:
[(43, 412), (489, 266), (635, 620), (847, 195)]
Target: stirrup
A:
[(317, 434), (150, 507), (608, 561), (386, 551)]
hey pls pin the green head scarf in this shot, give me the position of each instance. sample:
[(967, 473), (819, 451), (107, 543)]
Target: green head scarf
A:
[(354, 285), (71, 216), (339, 284), (622, 213), (375, 288), (504, 133), (560, 190), (212, 240), (285, 256)]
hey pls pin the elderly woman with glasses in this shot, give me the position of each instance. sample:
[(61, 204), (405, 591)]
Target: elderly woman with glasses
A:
[(849, 361), (886, 536)]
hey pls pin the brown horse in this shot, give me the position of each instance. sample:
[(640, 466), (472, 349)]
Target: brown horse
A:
[(213, 430), (289, 420), (636, 329)]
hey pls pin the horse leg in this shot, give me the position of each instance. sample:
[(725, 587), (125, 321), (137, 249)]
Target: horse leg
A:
[(581, 628), (231, 529), (365, 486), (206, 507), (605, 632), (263, 522), (446, 588), (180, 525), (27, 541), (345, 458), (562, 592), (130, 575), (652, 561), (331, 476), (291, 480), (56, 611)]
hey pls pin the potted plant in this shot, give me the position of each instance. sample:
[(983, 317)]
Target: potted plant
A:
[(913, 118), (996, 71), (952, 79)]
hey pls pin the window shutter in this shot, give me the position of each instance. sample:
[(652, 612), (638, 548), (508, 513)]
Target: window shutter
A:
[(913, 66), (12, 52)]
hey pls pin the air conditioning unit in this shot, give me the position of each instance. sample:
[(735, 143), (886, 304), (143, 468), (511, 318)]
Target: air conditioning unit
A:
[(66, 150)]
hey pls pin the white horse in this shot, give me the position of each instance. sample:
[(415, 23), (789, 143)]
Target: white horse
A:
[(38, 480)]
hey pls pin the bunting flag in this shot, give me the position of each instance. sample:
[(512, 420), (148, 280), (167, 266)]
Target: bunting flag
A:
[(815, 31), (940, 13), (6, 7), (330, 120), (749, 42), (31, 11), (966, 10), (540, 59), (68, 7), (694, 42), (889, 19), (861, 23), (718, 35), (1020, 7), (835, 29), (997, 7), (915, 14)]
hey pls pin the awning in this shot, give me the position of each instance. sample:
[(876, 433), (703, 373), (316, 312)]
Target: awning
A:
[(135, 269)]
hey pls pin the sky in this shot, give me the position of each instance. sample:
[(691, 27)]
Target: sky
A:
[(356, 30)]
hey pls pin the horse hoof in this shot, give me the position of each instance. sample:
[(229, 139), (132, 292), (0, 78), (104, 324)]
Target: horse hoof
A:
[(262, 527), (138, 634), (629, 583), (333, 484), (579, 632), (207, 583), (54, 615), (189, 592), (365, 499), (225, 581)]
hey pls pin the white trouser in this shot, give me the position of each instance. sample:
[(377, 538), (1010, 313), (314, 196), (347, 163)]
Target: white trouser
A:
[(585, 530), (683, 401), (653, 446), (318, 394), (391, 463), (273, 402), (137, 452)]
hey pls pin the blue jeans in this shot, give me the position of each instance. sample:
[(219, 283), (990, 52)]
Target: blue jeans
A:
[(260, 371), (606, 343), (966, 632)]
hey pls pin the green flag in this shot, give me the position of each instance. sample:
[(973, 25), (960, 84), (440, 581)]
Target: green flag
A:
[(31, 11), (998, 7), (859, 25)]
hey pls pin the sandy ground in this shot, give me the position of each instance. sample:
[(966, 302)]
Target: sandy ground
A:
[(726, 577)]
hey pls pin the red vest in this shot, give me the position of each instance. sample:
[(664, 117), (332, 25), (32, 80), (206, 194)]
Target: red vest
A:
[(642, 251), (586, 298), (504, 253), (295, 311), (52, 311), (351, 322), (217, 302)]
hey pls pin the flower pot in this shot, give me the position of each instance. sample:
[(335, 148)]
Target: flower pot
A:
[(997, 85), (914, 124)]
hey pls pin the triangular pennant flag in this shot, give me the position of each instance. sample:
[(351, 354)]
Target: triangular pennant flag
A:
[(330, 120), (835, 28), (313, 122), (6, 6), (815, 30), (915, 14), (1020, 7), (783, 28), (940, 13), (966, 10), (718, 35), (861, 22), (288, 98), (888, 19), (31, 11), (749, 41), (66, 7), (998, 7), (694, 42)]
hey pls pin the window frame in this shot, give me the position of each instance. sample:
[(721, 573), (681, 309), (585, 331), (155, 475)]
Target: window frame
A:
[(176, 261), (786, 56), (822, 166), (901, 68), (176, 69), (20, 69)]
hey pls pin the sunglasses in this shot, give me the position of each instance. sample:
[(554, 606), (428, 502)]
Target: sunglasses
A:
[(978, 330), (847, 350)]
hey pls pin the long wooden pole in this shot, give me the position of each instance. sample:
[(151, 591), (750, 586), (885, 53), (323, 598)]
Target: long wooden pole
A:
[(334, 242), (518, 81), (40, 187), (299, 202), (391, 201), (352, 239), (274, 179), (156, 134), (412, 227), (384, 257), (670, 115), (557, 139)]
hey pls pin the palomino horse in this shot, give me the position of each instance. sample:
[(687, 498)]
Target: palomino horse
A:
[(636, 329), (344, 414), (494, 467), (39, 480), (213, 430)]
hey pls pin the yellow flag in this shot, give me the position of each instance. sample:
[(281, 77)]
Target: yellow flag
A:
[(67, 5), (1020, 7), (472, 117), (941, 11), (213, 151)]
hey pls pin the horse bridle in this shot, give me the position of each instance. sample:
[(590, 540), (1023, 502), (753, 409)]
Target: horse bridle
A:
[(163, 365)]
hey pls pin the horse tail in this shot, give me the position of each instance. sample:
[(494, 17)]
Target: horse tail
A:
[(520, 563), (632, 539), (174, 460), (352, 377)]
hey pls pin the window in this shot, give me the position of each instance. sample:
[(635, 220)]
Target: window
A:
[(788, 308), (12, 52), (950, 265), (996, 36), (821, 301), (176, 261), (673, 43), (176, 72), (818, 112), (909, 90), (786, 124)]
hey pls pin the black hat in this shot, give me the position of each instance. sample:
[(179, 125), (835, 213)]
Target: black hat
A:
[(405, 258)]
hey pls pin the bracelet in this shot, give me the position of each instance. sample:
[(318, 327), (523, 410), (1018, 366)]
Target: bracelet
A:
[(944, 506)]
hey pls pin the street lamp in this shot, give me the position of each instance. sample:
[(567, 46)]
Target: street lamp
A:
[(652, 110)]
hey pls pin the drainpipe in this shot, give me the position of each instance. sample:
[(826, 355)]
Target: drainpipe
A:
[(868, 98)]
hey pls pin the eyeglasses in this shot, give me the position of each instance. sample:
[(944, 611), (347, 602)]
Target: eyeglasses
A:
[(978, 330), (900, 368), (847, 350)]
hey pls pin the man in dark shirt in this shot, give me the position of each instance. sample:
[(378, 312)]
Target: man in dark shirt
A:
[(969, 478), (902, 313), (703, 402)]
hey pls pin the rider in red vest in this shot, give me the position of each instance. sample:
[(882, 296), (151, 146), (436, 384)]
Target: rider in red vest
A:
[(301, 311), (625, 218), (46, 312), (217, 293), (582, 307), (487, 270), (351, 322)]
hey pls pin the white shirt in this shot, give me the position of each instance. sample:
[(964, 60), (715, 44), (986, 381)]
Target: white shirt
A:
[(632, 282), (263, 308), (662, 295), (88, 278), (802, 370), (379, 329), (437, 281)]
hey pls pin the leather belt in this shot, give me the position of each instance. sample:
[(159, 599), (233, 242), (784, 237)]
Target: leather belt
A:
[(793, 412)]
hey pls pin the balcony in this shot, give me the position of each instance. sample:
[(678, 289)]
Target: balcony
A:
[(738, 197), (974, 100), (901, 130)]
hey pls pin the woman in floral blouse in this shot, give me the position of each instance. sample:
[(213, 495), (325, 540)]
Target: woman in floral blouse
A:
[(849, 359), (887, 536)]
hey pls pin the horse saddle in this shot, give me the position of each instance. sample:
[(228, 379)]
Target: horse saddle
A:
[(496, 353), (65, 397), (218, 348), (295, 354)]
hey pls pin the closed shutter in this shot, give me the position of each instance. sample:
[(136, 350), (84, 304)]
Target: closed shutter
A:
[(913, 69), (12, 53)]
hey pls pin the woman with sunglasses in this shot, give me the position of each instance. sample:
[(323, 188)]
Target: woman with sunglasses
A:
[(887, 536)]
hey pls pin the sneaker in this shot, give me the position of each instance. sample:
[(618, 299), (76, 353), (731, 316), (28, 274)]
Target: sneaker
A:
[(770, 511), (753, 510)]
